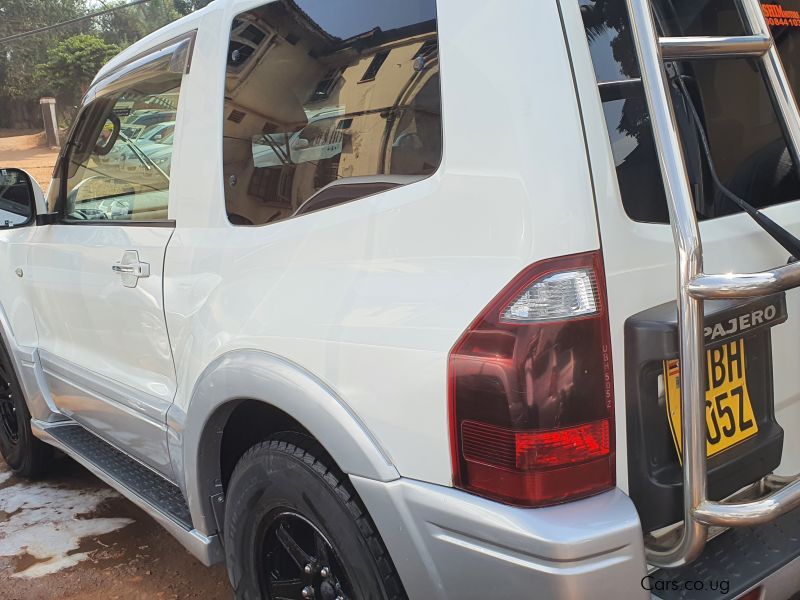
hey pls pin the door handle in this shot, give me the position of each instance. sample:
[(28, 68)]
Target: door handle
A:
[(131, 269), (140, 269)]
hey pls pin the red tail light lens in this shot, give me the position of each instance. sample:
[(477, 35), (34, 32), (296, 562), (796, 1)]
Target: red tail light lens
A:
[(531, 393)]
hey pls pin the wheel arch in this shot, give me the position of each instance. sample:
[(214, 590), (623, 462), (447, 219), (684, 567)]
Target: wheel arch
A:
[(253, 376)]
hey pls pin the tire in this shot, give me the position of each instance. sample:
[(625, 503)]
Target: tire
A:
[(26, 455), (283, 496)]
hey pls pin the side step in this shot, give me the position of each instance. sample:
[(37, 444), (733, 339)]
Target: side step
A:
[(152, 493), (739, 559)]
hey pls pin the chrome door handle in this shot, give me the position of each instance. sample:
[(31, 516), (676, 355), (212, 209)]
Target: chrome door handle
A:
[(131, 269), (140, 269)]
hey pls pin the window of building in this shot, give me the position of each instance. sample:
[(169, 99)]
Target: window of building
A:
[(428, 49), (326, 85), (748, 147), (245, 39), (321, 120), (120, 153), (375, 66)]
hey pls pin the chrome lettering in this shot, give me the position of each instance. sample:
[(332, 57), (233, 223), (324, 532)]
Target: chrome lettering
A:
[(744, 322), (741, 323), (734, 326)]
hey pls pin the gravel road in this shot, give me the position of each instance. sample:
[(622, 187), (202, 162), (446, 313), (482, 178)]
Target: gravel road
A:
[(25, 152)]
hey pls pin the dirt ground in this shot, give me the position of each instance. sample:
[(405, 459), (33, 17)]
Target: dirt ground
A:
[(27, 150), (51, 547), (138, 561)]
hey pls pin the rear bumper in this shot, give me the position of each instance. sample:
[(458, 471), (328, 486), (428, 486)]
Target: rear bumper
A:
[(449, 544)]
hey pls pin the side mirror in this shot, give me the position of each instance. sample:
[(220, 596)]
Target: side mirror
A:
[(17, 198), (108, 135)]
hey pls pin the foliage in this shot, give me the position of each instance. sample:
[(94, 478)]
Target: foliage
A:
[(18, 60), (72, 64), (126, 26), (40, 64)]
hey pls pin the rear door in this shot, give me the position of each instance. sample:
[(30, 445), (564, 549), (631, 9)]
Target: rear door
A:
[(753, 391), (95, 278)]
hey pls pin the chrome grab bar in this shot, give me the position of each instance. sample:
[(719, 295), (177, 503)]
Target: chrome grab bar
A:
[(755, 512), (694, 286), (745, 285), (694, 47)]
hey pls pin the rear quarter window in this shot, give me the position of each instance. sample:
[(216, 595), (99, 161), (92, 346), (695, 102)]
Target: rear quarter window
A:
[(326, 103)]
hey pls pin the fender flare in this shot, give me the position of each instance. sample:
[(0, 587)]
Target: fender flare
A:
[(9, 341), (262, 376)]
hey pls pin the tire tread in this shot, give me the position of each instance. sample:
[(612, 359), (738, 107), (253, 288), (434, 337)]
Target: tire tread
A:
[(336, 481)]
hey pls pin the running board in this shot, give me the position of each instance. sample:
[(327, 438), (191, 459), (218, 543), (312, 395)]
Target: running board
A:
[(152, 493)]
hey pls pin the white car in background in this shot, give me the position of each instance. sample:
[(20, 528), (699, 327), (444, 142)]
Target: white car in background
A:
[(150, 139), (321, 138)]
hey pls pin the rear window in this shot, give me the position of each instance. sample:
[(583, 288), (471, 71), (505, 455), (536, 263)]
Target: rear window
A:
[(747, 143)]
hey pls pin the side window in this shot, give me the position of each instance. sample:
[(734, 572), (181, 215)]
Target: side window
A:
[(325, 105), (120, 153)]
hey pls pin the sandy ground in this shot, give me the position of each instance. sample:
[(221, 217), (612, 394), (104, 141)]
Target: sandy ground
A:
[(26, 150), (121, 553), (71, 536)]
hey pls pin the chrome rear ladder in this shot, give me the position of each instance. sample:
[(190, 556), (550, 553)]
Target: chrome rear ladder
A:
[(695, 286)]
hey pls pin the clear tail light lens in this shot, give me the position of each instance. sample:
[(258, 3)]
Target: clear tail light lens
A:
[(531, 392), (562, 295)]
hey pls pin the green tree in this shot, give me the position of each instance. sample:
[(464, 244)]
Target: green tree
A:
[(128, 25), (186, 6), (19, 93), (25, 63), (72, 64)]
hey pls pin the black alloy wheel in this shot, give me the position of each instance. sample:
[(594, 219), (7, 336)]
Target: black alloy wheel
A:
[(295, 529), (299, 561)]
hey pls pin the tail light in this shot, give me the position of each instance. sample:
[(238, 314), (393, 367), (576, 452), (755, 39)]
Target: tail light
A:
[(531, 390)]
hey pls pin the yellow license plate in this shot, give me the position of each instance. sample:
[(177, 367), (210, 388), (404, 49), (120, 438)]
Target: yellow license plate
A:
[(729, 413)]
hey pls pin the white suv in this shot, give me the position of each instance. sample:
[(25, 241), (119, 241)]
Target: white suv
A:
[(394, 312)]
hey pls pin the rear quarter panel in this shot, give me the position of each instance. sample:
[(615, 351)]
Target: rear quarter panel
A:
[(370, 296)]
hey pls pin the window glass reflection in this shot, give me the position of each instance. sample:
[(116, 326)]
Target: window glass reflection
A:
[(327, 102)]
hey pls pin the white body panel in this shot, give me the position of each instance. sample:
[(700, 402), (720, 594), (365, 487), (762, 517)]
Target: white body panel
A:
[(370, 296), (14, 304), (95, 333), (366, 298)]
